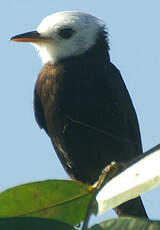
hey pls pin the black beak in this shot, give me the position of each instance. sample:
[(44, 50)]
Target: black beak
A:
[(32, 36)]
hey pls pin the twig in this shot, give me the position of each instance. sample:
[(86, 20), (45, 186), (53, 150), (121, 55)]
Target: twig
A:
[(108, 173)]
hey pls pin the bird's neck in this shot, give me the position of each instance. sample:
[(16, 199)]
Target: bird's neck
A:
[(98, 54)]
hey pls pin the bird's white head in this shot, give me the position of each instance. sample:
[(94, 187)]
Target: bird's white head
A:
[(64, 34)]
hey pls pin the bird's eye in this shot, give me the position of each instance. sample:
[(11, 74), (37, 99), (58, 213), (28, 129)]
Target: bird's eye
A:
[(66, 33)]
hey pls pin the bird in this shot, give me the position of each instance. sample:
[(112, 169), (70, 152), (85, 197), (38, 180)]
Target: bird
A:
[(81, 100)]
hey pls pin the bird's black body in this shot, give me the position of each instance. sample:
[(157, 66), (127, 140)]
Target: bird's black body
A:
[(84, 106)]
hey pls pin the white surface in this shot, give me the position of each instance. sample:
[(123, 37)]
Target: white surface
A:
[(137, 179)]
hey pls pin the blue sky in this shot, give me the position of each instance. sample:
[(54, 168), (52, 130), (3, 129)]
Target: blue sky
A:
[(26, 151)]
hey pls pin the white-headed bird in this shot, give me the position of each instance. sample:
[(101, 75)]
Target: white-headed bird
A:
[(81, 100)]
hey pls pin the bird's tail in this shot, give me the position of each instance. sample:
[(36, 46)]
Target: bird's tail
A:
[(133, 208)]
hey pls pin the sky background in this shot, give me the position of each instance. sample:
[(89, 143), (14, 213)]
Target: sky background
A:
[(134, 26)]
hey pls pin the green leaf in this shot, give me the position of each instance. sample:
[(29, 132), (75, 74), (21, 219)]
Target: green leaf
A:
[(62, 200), (30, 223), (127, 223)]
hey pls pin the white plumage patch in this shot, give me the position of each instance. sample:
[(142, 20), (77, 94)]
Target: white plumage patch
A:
[(85, 27)]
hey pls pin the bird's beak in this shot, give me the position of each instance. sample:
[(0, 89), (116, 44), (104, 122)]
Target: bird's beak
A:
[(32, 36)]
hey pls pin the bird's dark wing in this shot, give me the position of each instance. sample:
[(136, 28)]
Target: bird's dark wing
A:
[(126, 110), (133, 207), (122, 101)]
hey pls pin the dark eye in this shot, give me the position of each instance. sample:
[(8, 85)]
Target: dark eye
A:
[(66, 33)]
